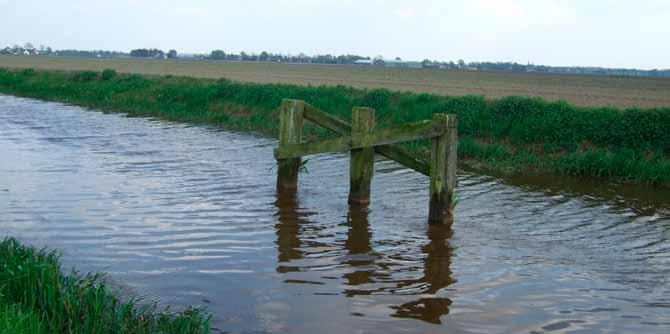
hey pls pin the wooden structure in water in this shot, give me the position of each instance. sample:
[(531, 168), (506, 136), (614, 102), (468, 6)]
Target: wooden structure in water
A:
[(363, 141)]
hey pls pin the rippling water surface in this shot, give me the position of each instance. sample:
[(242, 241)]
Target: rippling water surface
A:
[(188, 215)]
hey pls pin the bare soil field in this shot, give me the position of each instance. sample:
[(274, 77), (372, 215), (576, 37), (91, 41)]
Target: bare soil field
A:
[(581, 90)]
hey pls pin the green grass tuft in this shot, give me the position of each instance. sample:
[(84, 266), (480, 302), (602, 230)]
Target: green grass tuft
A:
[(108, 74), (36, 297)]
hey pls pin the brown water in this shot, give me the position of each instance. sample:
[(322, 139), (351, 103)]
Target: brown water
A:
[(189, 215)]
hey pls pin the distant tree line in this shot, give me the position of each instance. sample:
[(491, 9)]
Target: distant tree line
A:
[(529, 68), (153, 53), (515, 67), (270, 57), (28, 49), (89, 53)]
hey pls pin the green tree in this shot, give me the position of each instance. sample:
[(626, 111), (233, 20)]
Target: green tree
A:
[(217, 54)]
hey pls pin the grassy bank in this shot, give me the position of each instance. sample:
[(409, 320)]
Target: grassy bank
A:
[(37, 298), (514, 134), (580, 90)]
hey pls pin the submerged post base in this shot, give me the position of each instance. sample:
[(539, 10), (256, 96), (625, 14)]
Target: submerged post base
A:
[(440, 211), (287, 174), (359, 201)]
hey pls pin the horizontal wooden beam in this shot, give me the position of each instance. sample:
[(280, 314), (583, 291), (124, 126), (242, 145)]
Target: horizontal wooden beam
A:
[(340, 144), (402, 133), (326, 120), (407, 132), (393, 152), (403, 157)]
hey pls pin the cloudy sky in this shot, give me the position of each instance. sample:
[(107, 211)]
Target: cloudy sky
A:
[(613, 33)]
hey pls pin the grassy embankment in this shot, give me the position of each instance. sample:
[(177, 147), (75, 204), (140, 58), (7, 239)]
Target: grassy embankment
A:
[(37, 298), (579, 90), (514, 134)]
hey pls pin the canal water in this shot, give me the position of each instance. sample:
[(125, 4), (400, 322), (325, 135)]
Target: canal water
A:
[(188, 215)]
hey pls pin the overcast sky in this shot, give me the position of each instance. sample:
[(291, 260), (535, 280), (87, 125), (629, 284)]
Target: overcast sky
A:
[(612, 33)]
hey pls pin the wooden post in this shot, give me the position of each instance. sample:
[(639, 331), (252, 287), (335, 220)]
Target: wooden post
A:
[(443, 171), (290, 132), (361, 165)]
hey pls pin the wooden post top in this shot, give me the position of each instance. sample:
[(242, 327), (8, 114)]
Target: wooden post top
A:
[(450, 119)]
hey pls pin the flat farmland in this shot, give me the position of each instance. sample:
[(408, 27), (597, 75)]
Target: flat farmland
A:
[(581, 90)]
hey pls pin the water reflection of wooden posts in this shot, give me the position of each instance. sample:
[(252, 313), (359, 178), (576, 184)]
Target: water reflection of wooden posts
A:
[(367, 269), (291, 222), (436, 268), (362, 140), (358, 244), (288, 227), (437, 275)]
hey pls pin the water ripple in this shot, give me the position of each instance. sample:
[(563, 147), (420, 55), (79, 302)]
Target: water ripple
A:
[(189, 215)]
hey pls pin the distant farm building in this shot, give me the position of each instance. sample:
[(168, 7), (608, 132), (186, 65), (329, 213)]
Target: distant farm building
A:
[(403, 63), (364, 62), (390, 63)]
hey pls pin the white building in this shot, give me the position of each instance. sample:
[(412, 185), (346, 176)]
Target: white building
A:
[(364, 62), (403, 63)]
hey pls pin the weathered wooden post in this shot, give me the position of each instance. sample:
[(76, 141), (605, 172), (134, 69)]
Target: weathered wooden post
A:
[(361, 165), (443, 171), (290, 132)]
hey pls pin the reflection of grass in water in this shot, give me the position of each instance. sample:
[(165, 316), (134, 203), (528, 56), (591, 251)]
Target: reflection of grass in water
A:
[(511, 134), (36, 298)]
